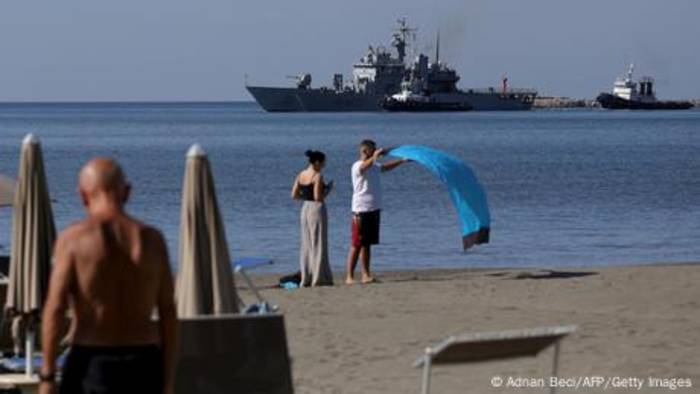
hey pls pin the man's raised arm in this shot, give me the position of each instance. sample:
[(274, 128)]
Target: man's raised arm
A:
[(390, 165), (369, 162)]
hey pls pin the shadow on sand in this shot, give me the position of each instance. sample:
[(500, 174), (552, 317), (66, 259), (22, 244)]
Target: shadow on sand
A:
[(545, 274)]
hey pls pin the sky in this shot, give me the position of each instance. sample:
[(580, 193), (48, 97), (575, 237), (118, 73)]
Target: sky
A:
[(175, 50)]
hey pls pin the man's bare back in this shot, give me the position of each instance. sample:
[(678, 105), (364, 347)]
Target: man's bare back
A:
[(113, 273), (118, 265)]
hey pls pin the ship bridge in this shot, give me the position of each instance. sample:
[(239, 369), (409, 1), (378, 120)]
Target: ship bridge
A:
[(628, 89), (379, 72)]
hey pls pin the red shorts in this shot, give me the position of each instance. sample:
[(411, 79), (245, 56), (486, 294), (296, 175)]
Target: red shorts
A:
[(365, 228)]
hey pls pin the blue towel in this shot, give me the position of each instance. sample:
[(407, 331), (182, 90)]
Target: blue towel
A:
[(467, 194)]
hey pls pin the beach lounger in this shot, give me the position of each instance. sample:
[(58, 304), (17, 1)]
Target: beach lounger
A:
[(240, 268), (487, 346), (233, 354)]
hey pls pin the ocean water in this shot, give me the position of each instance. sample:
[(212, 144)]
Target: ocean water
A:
[(565, 188)]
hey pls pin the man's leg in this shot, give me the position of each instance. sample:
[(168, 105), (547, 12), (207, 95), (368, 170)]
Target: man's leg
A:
[(354, 250), (365, 256), (351, 264)]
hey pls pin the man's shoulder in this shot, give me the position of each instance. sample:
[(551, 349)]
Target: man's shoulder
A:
[(74, 236), (86, 227), (150, 235), (355, 169), (77, 229)]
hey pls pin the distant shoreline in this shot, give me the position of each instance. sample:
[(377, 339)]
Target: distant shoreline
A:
[(174, 102), (541, 102), (558, 102)]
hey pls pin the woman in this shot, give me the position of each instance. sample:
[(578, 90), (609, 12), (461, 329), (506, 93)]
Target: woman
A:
[(313, 256)]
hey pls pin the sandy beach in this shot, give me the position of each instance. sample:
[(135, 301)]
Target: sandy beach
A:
[(640, 321)]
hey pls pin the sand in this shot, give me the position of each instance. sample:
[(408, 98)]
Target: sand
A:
[(641, 321)]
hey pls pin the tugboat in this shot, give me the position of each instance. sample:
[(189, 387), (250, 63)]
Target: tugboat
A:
[(428, 88), (379, 75), (630, 94), (407, 101)]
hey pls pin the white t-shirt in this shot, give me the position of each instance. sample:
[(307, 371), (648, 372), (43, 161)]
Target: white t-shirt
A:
[(367, 190)]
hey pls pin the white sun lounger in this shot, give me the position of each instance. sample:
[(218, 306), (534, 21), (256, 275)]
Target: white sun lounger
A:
[(487, 346)]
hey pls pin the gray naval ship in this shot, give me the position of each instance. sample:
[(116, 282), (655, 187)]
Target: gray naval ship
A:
[(382, 81)]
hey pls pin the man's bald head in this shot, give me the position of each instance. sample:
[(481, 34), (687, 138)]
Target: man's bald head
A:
[(103, 176)]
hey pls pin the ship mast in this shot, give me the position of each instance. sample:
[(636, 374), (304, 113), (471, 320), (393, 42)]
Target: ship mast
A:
[(401, 36), (630, 71), (437, 49)]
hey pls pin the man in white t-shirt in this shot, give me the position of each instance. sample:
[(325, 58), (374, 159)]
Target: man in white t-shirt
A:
[(366, 206)]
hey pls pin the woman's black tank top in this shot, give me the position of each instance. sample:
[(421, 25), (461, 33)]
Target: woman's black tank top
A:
[(306, 192)]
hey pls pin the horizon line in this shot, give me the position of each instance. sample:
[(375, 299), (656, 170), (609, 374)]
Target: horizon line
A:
[(24, 102)]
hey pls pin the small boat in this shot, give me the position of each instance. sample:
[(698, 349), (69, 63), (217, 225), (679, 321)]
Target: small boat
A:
[(630, 94), (407, 101)]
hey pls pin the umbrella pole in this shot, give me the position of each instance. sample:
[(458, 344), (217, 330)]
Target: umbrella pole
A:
[(29, 353)]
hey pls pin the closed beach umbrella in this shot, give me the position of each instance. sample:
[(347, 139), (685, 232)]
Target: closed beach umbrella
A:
[(33, 235), (205, 280), (7, 191)]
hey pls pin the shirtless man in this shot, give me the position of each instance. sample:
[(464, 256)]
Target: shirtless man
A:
[(114, 272)]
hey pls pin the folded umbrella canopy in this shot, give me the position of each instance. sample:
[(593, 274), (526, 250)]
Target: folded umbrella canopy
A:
[(205, 280), (467, 194), (33, 235)]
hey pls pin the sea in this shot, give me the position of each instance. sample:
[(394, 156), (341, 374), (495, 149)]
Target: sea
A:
[(566, 188)]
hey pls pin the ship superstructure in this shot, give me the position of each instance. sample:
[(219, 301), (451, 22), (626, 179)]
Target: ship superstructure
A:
[(378, 71), (432, 86), (381, 74)]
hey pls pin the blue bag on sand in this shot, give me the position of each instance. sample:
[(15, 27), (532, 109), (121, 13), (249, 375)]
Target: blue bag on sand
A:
[(291, 281), (468, 196)]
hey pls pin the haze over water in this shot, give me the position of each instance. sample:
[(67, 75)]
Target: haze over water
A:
[(566, 188)]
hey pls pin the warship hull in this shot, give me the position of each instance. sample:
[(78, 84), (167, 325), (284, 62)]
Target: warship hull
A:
[(313, 100), (488, 101), (610, 101), (273, 99)]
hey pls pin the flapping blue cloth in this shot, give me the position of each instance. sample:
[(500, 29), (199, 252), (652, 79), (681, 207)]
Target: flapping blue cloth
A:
[(467, 194)]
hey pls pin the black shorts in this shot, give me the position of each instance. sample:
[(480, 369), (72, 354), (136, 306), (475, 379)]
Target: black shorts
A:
[(365, 228), (98, 369)]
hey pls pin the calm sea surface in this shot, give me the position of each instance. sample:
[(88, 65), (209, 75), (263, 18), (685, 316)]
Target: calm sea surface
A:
[(565, 187)]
